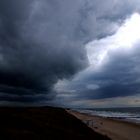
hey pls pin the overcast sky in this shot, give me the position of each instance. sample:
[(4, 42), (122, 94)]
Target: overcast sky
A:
[(79, 53)]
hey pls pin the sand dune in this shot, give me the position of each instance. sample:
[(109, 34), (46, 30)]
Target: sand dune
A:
[(43, 123)]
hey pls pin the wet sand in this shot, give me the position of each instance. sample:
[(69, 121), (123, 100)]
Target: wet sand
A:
[(115, 129), (43, 123)]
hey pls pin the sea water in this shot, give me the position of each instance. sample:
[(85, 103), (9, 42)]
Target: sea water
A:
[(131, 114)]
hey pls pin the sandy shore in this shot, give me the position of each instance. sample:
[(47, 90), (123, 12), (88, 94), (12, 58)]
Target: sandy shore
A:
[(115, 129)]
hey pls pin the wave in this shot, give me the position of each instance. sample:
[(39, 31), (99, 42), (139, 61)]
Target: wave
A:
[(131, 116)]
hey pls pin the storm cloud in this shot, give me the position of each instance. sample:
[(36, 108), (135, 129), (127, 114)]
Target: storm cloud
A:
[(37, 46), (113, 72), (43, 42)]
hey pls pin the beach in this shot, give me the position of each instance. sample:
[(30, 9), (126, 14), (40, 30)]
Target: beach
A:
[(114, 128), (43, 123)]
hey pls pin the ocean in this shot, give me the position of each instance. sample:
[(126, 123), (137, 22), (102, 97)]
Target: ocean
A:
[(131, 114)]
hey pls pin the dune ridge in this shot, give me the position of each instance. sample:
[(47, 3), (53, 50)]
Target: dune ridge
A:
[(43, 123)]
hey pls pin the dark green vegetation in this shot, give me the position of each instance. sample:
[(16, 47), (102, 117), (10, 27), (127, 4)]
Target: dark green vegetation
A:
[(43, 123)]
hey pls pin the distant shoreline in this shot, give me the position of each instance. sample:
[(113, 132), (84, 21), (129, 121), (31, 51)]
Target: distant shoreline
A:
[(116, 129)]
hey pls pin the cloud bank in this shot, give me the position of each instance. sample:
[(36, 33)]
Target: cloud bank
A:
[(114, 67), (43, 42)]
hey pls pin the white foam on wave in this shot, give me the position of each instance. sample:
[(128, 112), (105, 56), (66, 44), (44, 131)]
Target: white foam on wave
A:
[(132, 117)]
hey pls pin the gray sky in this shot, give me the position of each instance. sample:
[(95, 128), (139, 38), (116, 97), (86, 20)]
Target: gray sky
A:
[(71, 53)]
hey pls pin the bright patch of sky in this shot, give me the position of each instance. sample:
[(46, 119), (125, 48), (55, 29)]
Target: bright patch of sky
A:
[(125, 38)]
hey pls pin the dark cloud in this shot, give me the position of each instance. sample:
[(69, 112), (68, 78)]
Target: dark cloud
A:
[(118, 77), (43, 41), (37, 46)]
